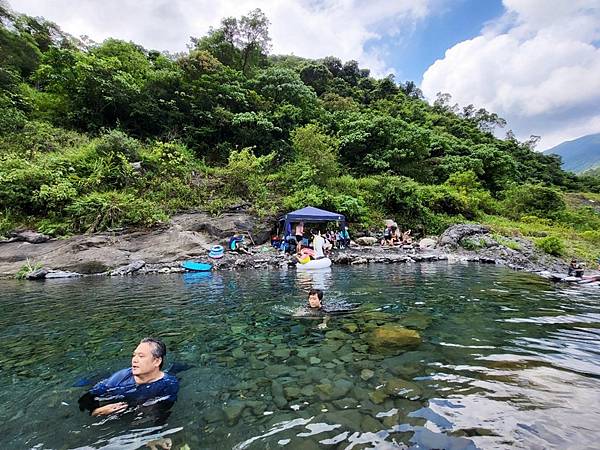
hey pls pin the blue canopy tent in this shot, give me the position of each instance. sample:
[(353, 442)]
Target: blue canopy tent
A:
[(310, 215)]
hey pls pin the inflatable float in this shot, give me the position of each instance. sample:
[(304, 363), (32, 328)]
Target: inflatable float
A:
[(216, 251), (196, 266), (322, 263)]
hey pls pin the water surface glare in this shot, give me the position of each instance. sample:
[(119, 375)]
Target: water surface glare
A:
[(506, 360)]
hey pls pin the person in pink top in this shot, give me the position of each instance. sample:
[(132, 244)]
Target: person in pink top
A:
[(299, 232)]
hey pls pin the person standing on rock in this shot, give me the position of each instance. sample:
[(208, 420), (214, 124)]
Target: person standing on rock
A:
[(318, 244)]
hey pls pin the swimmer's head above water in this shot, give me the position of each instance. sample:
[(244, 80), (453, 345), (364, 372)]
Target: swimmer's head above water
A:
[(315, 298), (148, 357)]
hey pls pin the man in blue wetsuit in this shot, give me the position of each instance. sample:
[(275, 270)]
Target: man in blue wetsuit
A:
[(142, 384)]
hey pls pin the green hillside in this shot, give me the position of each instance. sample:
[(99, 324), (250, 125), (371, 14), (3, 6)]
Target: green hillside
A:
[(579, 154), (94, 137)]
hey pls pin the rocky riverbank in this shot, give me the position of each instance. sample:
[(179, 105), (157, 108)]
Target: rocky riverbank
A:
[(190, 236)]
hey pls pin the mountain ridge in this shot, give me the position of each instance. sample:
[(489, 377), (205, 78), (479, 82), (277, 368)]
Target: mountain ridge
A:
[(578, 155)]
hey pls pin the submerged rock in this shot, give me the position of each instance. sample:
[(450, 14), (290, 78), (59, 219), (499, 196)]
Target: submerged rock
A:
[(392, 336), (402, 388), (233, 411), (366, 374)]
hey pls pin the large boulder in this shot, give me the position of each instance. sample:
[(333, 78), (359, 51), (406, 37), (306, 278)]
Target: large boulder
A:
[(225, 225), (33, 237), (38, 274), (393, 337), (366, 241), (61, 274), (453, 235), (129, 268), (427, 244)]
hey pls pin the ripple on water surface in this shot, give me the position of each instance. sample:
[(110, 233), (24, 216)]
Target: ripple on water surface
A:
[(502, 359)]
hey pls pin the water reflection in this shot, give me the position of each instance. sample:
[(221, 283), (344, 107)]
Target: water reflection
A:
[(505, 359)]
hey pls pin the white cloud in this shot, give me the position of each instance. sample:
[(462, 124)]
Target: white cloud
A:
[(307, 28), (538, 66)]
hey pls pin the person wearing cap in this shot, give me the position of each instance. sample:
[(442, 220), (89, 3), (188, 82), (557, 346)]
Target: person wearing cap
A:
[(142, 384)]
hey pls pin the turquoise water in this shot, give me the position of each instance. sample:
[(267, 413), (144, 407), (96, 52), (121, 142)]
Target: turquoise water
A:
[(506, 360)]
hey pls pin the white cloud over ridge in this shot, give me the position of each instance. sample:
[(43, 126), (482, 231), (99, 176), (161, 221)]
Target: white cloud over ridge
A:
[(307, 28), (538, 66)]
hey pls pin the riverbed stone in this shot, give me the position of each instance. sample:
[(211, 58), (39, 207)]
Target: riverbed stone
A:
[(314, 360), (283, 353), (349, 418), (278, 395), (378, 396), (392, 336), (238, 353), (291, 392), (337, 334), (308, 391), (370, 424), (276, 370), (233, 410), (366, 374), (341, 388), (345, 403), (416, 320), (402, 388), (351, 327)]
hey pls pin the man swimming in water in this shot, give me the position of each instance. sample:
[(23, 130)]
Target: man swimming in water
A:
[(316, 307), (142, 384)]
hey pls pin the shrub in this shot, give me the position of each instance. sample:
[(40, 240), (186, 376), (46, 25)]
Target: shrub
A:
[(533, 199), (551, 245), (27, 268), (107, 210), (592, 236)]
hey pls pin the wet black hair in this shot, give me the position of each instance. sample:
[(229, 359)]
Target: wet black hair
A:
[(159, 349), (319, 293)]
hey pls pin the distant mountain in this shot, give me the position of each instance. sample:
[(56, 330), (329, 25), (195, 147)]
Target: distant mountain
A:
[(580, 154)]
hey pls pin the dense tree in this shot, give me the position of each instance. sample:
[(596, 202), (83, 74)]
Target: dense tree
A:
[(274, 131)]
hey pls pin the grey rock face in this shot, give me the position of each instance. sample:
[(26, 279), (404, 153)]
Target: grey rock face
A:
[(452, 236)]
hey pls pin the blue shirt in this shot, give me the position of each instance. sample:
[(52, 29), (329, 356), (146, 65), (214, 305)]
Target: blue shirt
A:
[(121, 387)]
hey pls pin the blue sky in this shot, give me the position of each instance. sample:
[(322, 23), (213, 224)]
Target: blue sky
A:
[(534, 62), (454, 22)]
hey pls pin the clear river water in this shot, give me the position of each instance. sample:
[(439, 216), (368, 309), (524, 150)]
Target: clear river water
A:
[(505, 360)]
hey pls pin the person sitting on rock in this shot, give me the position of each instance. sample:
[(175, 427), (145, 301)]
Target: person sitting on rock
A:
[(407, 238), (143, 384), (575, 269), (236, 244)]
